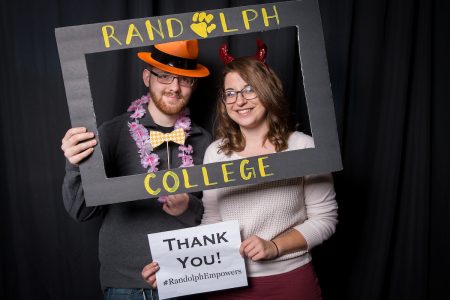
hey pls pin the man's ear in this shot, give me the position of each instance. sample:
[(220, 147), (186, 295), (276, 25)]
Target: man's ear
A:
[(194, 87), (146, 77)]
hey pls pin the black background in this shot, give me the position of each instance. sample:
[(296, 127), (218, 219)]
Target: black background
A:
[(389, 70)]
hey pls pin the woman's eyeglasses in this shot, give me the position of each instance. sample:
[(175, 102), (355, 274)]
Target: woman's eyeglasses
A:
[(248, 93)]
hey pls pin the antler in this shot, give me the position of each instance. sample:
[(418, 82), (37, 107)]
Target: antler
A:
[(226, 58), (261, 52)]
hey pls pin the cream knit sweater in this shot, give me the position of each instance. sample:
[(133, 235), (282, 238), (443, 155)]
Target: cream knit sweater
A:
[(306, 204)]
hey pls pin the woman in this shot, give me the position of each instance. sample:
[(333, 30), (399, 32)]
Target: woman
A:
[(280, 221)]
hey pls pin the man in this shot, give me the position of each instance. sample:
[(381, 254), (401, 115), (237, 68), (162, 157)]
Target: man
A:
[(130, 145)]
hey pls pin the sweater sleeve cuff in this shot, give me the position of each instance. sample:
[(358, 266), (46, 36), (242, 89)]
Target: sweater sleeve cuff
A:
[(311, 236), (193, 214), (71, 168)]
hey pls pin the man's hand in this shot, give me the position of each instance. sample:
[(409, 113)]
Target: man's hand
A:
[(77, 144), (176, 204), (256, 248), (149, 274)]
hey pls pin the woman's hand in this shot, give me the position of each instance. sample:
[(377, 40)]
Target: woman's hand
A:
[(149, 274), (255, 248)]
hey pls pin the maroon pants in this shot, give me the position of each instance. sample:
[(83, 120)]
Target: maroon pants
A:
[(298, 284)]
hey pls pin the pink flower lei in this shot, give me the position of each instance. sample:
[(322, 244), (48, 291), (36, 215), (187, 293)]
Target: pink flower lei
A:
[(141, 136)]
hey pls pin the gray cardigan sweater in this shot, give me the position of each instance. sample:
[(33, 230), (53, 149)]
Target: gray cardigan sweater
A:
[(123, 243)]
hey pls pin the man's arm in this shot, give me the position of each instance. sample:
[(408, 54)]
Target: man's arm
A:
[(185, 207), (77, 144), (188, 207), (73, 196)]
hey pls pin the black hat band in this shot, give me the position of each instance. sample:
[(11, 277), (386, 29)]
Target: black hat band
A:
[(174, 61)]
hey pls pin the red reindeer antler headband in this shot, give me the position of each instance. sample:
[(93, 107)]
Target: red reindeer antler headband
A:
[(261, 53)]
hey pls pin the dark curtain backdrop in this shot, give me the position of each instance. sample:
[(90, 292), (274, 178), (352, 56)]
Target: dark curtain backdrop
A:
[(389, 67)]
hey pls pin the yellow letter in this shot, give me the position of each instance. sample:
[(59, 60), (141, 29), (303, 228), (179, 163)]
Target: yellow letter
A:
[(226, 173), (132, 31), (150, 29), (186, 179), (246, 19), (224, 24), (176, 181), (262, 167), (110, 35), (170, 29), (147, 185), (266, 18), (206, 178), (242, 168)]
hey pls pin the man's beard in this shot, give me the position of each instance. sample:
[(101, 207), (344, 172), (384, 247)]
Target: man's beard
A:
[(169, 109)]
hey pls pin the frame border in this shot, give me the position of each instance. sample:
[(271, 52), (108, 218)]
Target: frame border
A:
[(76, 41)]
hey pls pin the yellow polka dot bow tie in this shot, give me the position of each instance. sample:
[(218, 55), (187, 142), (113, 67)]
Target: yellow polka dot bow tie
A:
[(177, 136)]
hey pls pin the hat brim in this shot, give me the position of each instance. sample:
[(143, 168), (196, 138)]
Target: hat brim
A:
[(200, 71)]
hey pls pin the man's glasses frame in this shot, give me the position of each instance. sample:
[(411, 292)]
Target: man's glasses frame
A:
[(167, 78)]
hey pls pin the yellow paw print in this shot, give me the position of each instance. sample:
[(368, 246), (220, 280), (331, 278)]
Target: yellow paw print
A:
[(201, 24)]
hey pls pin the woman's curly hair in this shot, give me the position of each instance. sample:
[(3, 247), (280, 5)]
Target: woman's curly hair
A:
[(270, 92)]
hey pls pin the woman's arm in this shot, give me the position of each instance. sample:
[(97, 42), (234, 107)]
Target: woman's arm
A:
[(321, 211)]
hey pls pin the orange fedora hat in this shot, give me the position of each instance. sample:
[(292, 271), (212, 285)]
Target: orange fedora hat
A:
[(179, 58)]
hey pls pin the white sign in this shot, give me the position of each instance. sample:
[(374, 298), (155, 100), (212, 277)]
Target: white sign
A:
[(198, 259)]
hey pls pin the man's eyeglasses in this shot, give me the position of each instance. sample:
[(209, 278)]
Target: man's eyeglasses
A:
[(230, 96), (166, 78)]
